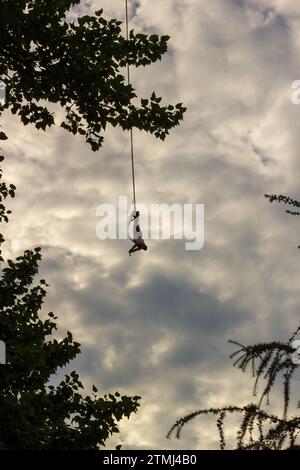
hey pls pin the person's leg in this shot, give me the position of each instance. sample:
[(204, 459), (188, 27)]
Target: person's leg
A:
[(134, 216), (133, 249)]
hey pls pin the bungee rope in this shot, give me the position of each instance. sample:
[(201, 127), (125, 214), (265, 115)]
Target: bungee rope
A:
[(131, 131)]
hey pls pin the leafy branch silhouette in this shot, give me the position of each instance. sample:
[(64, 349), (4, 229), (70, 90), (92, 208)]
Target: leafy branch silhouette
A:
[(258, 429)]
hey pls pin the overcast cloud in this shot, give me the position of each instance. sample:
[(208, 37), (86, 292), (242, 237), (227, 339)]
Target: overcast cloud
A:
[(157, 324)]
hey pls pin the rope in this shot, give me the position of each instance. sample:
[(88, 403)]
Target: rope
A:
[(131, 132)]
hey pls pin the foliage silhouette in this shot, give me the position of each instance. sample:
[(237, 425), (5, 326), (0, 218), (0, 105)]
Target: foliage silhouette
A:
[(258, 429), (34, 413), (285, 200), (45, 58)]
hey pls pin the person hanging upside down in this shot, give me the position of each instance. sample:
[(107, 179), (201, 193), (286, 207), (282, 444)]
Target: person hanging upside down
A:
[(138, 242)]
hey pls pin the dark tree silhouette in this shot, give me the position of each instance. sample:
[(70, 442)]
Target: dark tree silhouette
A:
[(285, 200), (259, 429), (80, 65), (35, 414)]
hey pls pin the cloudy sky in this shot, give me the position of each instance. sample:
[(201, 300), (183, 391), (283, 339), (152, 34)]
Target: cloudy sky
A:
[(157, 324)]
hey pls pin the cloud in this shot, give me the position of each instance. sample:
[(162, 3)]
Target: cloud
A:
[(157, 324)]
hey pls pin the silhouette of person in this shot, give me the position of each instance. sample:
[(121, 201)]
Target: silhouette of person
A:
[(138, 242)]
